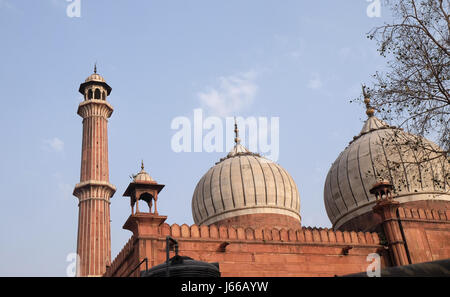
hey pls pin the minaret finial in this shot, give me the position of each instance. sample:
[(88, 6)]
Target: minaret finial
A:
[(142, 164), (369, 109), (95, 67), (237, 140)]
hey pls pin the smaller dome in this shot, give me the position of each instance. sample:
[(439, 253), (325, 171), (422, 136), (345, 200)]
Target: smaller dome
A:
[(95, 77), (143, 176)]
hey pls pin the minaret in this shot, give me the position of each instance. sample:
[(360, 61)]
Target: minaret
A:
[(94, 190)]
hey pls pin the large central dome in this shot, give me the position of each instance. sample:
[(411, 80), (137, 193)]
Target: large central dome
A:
[(245, 187)]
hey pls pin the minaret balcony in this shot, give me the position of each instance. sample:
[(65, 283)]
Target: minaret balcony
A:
[(95, 107), (94, 189)]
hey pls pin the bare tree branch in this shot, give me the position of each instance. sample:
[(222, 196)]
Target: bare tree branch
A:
[(414, 91)]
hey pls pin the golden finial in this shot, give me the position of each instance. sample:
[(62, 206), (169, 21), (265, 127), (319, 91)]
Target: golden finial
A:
[(237, 140), (369, 109), (142, 164)]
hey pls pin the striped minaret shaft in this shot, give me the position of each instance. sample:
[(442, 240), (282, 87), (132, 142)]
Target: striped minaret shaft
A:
[(94, 190)]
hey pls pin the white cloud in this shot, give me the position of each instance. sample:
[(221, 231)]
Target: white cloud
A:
[(55, 144), (315, 82), (234, 93)]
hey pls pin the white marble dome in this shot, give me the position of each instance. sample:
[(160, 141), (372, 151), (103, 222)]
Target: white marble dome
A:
[(384, 152), (244, 183)]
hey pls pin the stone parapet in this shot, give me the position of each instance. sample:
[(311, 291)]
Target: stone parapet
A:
[(302, 235)]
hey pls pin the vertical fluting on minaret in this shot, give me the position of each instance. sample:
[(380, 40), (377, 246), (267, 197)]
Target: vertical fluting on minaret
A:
[(94, 190)]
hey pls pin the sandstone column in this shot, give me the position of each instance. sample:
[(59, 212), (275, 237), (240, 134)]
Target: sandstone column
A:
[(387, 207)]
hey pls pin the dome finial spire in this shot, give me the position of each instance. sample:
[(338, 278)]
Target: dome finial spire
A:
[(95, 67), (142, 164), (237, 140), (369, 109)]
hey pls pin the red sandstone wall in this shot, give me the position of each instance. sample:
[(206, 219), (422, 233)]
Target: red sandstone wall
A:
[(125, 261), (426, 232), (261, 220), (255, 252), (370, 222)]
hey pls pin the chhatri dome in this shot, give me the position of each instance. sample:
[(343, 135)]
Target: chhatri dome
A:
[(95, 76), (246, 189), (143, 176), (383, 152), (92, 84)]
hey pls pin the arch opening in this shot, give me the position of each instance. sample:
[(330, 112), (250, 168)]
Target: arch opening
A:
[(147, 197), (97, 94)]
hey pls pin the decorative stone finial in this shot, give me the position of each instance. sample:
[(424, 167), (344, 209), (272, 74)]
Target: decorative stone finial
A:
[(369, 109), (237, 140)]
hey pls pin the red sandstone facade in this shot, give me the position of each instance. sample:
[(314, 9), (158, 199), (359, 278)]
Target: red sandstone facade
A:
[(258, 244), (250, 252), (425, 236)]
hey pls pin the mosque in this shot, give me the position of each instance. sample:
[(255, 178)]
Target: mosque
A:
[(387, 194)]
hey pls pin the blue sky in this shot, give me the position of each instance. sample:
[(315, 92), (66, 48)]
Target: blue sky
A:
[(301, 61)]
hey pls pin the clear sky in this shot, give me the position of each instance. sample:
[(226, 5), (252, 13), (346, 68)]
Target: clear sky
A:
[(301, 61)]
